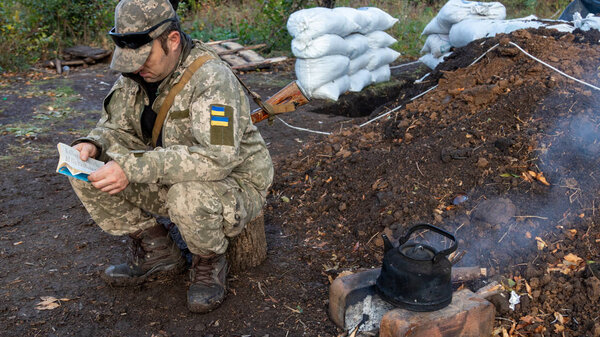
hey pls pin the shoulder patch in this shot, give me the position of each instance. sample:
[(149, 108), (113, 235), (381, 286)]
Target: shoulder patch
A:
[(221, 124)]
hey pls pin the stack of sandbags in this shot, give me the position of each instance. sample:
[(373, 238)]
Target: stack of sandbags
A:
[(438, 43), (341, 49)]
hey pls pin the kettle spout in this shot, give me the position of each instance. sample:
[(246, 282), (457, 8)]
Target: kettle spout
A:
[(387, 244)]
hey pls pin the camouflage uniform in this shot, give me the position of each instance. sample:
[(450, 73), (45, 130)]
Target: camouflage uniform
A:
[(209, 177)]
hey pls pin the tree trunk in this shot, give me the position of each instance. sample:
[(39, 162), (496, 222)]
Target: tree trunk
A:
[(249, 248)]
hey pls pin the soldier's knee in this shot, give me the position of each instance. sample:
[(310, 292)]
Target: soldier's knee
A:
[(193, 199)]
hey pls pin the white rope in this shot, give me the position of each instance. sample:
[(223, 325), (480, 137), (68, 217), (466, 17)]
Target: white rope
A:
[(423, 93), (303, 129), (420, 80), (480, 57), (405, 64), (551, 67), (376, 118)]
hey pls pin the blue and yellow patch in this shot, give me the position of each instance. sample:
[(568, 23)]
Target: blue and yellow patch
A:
[(219, 121), (221, 125)]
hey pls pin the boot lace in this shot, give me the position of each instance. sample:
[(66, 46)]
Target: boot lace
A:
[(136, 251), (202, 271)]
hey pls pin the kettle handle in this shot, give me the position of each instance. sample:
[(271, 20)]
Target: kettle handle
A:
[(441, 253)]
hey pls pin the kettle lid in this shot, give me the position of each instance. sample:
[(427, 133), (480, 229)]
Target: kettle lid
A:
[(418, 252)]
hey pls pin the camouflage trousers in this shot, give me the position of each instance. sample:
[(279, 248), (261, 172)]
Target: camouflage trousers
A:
[(206, 213)]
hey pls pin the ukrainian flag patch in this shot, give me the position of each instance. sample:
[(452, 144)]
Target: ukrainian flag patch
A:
[(221, 124), (217, 110), (219, 121)]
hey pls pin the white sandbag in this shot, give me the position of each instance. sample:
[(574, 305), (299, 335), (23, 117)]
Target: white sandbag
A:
[(381, 74), (332, 90), (469, 30), (354, 15), (435, 27), (359, 63), (313, 73), (455, 11), (380, 39), (432, 61), (436, 44), (562, 27), (377, 20), (380, 57), (590, 22), (328, 44), (312, 22), (360, 79), (357, 45)]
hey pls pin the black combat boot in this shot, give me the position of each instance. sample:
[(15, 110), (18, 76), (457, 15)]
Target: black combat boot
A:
[(153, 255), (209, 282)]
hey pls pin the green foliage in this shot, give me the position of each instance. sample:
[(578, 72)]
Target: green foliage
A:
[(272, 16), (209, 32), (35, 29), (31, 30)]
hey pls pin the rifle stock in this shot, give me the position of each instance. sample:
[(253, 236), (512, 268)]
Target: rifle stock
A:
[(290, 95)]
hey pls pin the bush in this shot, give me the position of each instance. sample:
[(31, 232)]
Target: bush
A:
[(36, 29)]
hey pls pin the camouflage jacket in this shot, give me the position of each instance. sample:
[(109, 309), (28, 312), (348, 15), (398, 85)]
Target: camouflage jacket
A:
[(207, 135)]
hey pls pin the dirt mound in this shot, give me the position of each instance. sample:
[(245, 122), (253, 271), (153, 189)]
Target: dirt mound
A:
[(504, 153)]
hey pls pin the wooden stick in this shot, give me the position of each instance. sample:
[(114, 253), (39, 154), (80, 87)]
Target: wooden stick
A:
[(235, 50), (220, 41), (461, 274), (255, 65)]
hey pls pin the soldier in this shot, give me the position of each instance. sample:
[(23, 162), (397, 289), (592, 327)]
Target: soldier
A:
[(178, 141)]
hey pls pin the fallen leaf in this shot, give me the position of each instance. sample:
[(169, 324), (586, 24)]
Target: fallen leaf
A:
[(50, 302), (572, 259), (540, 243), (540, 177), (527, 177)]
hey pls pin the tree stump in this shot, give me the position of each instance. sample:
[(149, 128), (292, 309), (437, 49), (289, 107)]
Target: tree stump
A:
[(249, 248)]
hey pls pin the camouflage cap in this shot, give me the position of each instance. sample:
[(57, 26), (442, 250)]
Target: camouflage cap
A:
[(133, 16)]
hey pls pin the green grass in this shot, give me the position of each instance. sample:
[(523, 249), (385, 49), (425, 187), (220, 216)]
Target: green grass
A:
[(60, 104)]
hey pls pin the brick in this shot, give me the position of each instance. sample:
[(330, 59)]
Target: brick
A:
[(348, 290), (467, 316)]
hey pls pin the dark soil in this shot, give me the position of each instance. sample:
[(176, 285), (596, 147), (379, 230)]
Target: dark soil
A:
[(464, 157)]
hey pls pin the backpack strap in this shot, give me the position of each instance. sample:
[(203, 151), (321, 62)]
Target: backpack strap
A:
[(166, 105)]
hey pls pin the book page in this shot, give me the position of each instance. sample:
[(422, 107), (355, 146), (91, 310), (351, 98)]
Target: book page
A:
[(70, 156)]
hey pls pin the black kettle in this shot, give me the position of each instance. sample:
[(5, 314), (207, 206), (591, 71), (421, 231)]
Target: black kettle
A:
[(415, 276)]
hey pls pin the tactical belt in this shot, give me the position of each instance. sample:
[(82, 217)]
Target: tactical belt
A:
[(270, 109)]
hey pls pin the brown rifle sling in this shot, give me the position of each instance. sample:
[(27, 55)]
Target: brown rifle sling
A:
[(164, 108)]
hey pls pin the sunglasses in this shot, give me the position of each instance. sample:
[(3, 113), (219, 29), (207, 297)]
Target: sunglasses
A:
[(137, 39)]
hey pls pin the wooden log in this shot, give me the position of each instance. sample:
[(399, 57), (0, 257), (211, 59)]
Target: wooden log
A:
[(251, 56), (58, 66), (249, 248), (226, 51), (256, 65), (210, 43), (231, 45), (234, 60)]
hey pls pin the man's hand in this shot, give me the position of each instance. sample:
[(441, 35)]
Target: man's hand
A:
[(109, 178), (86, 150)]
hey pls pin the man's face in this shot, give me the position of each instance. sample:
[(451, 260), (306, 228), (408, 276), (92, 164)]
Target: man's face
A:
[(159, 64)]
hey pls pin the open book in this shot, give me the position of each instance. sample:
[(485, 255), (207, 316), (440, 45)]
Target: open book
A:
[(71, 165)]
